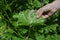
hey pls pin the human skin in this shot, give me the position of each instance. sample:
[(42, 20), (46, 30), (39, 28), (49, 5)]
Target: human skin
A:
[(50, 9)]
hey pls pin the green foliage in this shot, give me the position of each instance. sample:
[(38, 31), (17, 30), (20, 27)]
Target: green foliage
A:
[(27, 18), (18, 21)]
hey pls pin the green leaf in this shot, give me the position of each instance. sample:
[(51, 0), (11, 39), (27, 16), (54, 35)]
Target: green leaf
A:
[(23, 31), (52, 37), (16, 38), (58, 37), (29, 18), (40, 37), (30, 39)]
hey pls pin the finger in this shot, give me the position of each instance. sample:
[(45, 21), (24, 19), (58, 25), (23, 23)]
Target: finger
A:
[(39, 13), (50, 13), (45, 16)]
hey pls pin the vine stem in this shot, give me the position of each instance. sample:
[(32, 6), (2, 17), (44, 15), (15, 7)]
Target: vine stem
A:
[(29, 31)]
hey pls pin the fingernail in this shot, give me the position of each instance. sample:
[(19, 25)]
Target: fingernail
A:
[(46, 16)]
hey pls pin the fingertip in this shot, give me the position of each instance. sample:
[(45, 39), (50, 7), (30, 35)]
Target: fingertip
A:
[(39, 13), (45, 16), (37, 16)]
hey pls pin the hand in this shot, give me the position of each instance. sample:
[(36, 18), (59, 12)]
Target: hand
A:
[(48, 9)]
